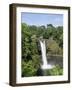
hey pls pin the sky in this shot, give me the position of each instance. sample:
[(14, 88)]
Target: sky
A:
[(42, 19)]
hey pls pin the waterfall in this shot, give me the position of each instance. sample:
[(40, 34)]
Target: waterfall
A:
[(43, 50), (44, 57)]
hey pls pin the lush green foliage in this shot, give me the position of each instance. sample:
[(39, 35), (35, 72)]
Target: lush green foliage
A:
[(57, 70), (28, 69), (31, 53)]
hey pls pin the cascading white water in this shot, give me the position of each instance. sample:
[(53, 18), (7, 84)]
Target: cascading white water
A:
[(44, 58)]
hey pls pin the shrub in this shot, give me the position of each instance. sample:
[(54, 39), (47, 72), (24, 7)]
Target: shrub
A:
[(28, 69), (57, 70)]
